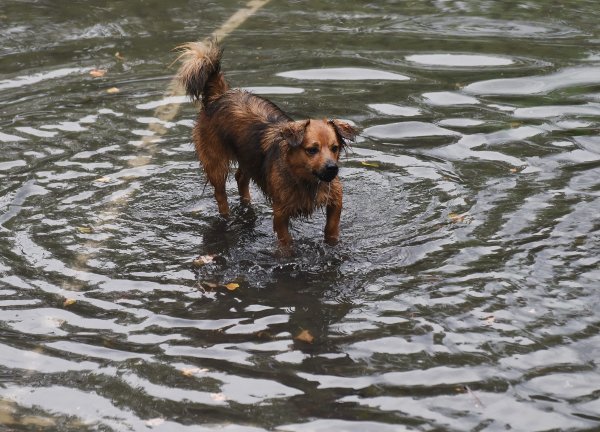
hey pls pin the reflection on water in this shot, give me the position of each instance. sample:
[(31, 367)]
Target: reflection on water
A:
[(461, 297)]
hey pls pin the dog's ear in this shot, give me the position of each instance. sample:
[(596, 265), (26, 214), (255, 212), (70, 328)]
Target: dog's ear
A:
[(293, 132), (344, 130)]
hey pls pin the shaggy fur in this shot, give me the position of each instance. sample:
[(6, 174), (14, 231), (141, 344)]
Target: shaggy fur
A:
[(294, 163)]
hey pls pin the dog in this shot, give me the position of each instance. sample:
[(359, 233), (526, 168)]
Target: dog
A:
[(294, 163)]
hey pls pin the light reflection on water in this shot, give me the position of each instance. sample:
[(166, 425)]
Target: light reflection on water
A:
[(462, 295)]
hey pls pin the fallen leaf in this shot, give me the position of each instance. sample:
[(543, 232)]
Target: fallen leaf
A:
[(370, 164), (490, 320), (119, 56), (209, 286), (232, 286), (456, 218), (85, 229), (97, 73), (69, 302), (305, 336), (219, 397), (155, 422), (103, 180), (264, 335), (112, 90), (515, 124), (203, 260), (514, 170), (193, 371)]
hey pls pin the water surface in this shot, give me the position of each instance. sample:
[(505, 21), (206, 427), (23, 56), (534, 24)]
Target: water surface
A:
[(464, 292)]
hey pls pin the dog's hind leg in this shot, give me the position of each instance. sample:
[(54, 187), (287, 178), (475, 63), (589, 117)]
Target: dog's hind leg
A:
[(243, 182), (216, 171)]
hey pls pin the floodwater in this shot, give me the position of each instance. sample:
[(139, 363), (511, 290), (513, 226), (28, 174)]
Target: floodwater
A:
[(464, 294)]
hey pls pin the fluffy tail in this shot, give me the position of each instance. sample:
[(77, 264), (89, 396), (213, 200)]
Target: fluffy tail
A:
[(200, 71)]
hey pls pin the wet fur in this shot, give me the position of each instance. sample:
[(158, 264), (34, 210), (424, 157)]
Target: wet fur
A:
[(269, 147)]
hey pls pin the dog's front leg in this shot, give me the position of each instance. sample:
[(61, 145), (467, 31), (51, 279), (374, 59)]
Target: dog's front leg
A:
[(281, 223), (332, 226)]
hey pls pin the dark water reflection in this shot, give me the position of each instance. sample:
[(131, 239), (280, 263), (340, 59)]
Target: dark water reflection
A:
[(463, 295)]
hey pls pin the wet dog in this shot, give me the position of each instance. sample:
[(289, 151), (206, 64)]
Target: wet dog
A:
[(294, 163)]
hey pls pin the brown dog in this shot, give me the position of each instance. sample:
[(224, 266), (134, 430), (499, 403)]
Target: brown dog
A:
[(295, 163)]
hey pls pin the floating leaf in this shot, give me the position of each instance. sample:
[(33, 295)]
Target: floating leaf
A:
[(69, 302), (514, 170), (155, 422), (103, 180), (232, 286), (119, 56), (193, 371), (490, 320), (219, 397), (85, 229), (203, 260), (305, 336), (112, 90), (456, 218), (97, 73), (370, 164)]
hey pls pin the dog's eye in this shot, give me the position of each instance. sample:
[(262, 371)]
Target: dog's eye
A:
[(312, 150), (335, 149)]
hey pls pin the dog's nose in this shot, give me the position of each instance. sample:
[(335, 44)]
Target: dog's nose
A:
[(329, 171), (331, 167)]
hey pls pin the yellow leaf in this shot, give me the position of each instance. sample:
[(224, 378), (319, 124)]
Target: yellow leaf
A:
[(69, 302), (514, 170), (97, 73), (103, 180), (112, 90), (232, 286), (370, 164), (193, 371), (119, 56), (305, 336), (456, 218), (85, 229)]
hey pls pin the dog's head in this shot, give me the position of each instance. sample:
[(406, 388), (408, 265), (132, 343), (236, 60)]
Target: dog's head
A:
[(314, 146)]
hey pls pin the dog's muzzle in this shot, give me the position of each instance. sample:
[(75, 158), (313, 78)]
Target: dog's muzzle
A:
[(329, 171)]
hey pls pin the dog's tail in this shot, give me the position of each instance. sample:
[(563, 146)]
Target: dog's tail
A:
[(200, 71)]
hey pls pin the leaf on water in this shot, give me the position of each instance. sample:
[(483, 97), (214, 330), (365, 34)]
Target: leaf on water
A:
[(69, 302), (112, 90), (85, 229), (456, 218), (203, 260), (119, 56), (514, 170), (155, 422), (193, 371), (515, 124), (97, 73), (219, 397), (232, 286), (305, 336), (369, 164), (103, 180), (490, 320), (264, 335)]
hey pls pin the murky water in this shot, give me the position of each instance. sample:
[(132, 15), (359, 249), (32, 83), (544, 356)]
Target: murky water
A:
[(464, 293)]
